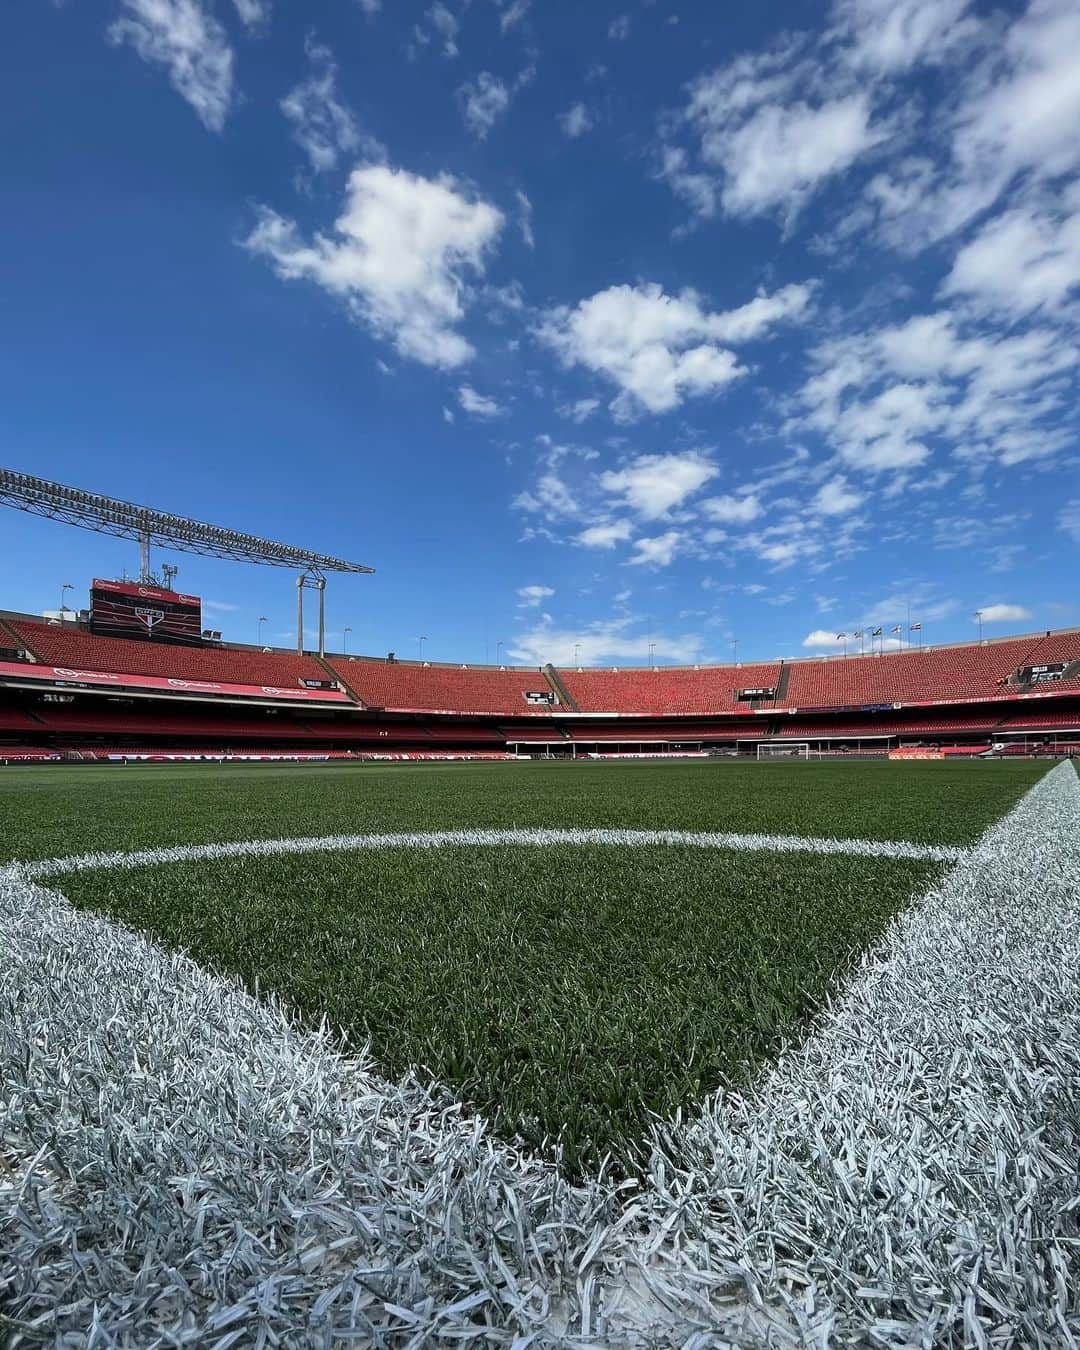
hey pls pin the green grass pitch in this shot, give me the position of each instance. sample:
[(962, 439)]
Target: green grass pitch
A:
[(568, 992)]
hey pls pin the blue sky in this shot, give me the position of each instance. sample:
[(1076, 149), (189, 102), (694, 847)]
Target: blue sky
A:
[(587, 326)]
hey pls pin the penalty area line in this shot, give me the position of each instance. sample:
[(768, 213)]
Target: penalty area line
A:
[(479, 838)]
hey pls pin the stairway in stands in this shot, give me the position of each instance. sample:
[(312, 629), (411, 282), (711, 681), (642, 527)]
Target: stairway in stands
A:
[(339, 679), (780, 696), (561, 692)]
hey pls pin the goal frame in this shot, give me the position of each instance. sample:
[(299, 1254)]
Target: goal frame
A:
[(783, 750)]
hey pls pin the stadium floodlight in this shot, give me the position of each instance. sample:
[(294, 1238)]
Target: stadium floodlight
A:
[(108, 515)]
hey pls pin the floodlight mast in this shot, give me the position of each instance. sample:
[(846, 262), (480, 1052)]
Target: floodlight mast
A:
[(110, 515)]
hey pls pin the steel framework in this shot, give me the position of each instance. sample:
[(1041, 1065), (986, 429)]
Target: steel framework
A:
[(109, 515)]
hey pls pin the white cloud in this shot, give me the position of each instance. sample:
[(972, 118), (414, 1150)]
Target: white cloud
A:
[(781, 155), (619, 28), (1022, 261), (529, 597), (478, 405), (892, 36), (398, 256), (576, 121), (371, 6), (445, 23), (822, 637), (513, 14), (1004, 613), (652, 484), (323, 126), (659, 551), (549, 496), (191, 44), (483, 101), (835, 498), (882, 397), (770, 129), (601, 642), (1015, 114), (660, 349), (1069, 519), (525, 210), (732, 510), (252, 12), (580, 410), (606, 535)]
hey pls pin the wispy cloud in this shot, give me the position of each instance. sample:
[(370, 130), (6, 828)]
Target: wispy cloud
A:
[(189, 42)]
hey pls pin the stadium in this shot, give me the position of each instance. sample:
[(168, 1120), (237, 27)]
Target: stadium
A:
[(135, 676), (540, 675), (414, 1002)]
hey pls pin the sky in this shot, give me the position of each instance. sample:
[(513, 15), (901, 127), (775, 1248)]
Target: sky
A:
[(652, 328)]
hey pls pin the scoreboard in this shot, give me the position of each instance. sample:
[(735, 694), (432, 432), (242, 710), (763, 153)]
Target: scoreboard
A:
[(126, 609), (1055, 670)]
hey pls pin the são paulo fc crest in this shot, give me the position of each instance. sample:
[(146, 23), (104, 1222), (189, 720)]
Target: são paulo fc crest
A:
[(150, 617)]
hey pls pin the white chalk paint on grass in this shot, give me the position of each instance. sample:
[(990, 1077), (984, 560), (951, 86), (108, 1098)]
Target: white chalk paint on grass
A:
[(475, 838)]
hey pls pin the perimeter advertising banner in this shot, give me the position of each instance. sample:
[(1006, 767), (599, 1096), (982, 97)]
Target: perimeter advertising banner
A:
[(125, 609)]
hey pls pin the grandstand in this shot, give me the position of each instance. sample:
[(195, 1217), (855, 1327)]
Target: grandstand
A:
[(68, 693)]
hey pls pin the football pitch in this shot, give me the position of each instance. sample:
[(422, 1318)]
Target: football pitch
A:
[(586, 966), (569, 991)]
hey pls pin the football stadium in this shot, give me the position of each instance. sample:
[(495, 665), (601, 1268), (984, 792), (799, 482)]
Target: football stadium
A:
[(406, 1002), (540, 675)]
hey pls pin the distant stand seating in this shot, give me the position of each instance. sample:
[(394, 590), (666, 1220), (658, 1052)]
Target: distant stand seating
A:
[(69, 646), (968, 690), (912, 676), (411, 686), (668, 690)]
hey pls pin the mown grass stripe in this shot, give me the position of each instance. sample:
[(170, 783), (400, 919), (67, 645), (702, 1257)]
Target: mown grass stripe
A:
[(539, 838)]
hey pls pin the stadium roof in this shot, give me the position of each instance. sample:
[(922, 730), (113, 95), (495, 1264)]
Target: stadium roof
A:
[(108, 515)]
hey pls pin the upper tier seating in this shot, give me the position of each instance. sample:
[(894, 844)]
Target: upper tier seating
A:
[(975, 671), (66, 645), (668, 690), (410, 686)]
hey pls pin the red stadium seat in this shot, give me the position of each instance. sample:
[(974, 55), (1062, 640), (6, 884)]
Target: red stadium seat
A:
[(409, 686), (668, 690), (65, 645)]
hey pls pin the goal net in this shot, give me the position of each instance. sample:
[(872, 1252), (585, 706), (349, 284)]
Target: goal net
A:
[(784, 750)]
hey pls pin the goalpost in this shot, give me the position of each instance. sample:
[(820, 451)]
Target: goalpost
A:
[(783, 750)]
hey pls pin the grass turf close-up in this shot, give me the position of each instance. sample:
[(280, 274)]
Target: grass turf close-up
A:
[(823, 1020), (50, 811), (566, 992)]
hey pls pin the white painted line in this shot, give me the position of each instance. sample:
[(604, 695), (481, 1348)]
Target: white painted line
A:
[(539, 838)]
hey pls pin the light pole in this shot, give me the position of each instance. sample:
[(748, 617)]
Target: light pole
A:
[(345, 640), (262, 620), (420, 642), (978, 620), (67, 586), (498, 652), (735, 651), (652, 649), (577, 653)]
